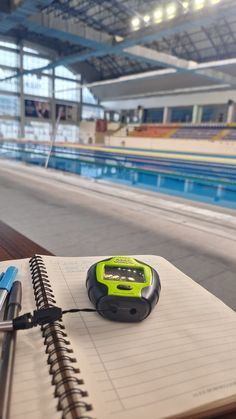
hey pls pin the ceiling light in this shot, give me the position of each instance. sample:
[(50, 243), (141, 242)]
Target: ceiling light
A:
[(185, 5), (158, 15), (171, 11), (215, 1), (135, 22), (199, 4), (146, 18)]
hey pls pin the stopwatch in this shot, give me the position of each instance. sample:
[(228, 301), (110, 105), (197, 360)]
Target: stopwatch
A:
[(123, 288)]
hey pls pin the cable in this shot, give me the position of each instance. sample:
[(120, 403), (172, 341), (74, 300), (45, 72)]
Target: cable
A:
[(44, 316)]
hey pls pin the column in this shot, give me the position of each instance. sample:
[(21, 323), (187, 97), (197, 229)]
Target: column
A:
[(231, 114), (200, 112), (166, 115), (195, 115)]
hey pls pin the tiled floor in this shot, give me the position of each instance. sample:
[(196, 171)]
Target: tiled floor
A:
[(73, 216)]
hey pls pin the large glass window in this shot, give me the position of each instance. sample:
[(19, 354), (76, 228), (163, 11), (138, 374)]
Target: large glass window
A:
[(37, 85), (9, 58), (88, 97), (67, 90), (11, 85), (30, 50), (181, 114), (9, 105), (37, 95), (214, 113), (8, 45), (153, 115), (62, 71), (9, 129), (67, 133), (31, 61), (40, 131), (92, 112)]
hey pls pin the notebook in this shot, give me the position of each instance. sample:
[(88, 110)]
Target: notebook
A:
[(179, 362)]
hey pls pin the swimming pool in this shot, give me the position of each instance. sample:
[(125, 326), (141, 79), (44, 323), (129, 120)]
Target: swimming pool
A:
[(211, 182)]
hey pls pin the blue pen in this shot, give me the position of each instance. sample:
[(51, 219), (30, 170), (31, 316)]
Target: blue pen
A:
[(6, 281)]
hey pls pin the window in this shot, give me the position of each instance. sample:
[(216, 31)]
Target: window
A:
[(181, 114), (9, 105), (30, 50), (40, 131), (9, 58), (61, 71), (92, 112), (38, 95), (67, 133), (67, 90), (214, 113), (9, 129), (88, 97), (31, 61), (153, 115), (37, 85), (8, 45), (11, 85)]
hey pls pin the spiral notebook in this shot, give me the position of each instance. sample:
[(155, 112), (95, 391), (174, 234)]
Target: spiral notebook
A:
[(179, 362)]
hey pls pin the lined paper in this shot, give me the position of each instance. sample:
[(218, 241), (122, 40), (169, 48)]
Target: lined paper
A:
[(180, 359), (178, 362)]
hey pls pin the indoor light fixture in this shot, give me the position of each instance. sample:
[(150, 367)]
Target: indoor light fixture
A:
[(158, 15), (146, 18), (185, 5), (135, 22), (215, 1), (171, 11), (199, 4)]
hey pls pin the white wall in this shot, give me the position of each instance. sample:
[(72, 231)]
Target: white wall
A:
[(165, 144), (201, 98), (87, 131)]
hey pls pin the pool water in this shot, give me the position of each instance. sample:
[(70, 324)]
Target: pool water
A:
[(199, 182)]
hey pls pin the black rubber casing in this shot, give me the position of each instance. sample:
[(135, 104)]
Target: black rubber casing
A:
[(122, 309)]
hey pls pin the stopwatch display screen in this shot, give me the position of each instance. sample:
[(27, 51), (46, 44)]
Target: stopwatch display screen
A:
[(114, 273)]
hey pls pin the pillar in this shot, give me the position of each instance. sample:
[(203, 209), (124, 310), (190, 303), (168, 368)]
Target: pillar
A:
[(231, 114), (195, 115), (166, 115)]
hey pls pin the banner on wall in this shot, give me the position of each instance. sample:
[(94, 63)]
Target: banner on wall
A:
[(37, 109), (101, 125), (68, 113)]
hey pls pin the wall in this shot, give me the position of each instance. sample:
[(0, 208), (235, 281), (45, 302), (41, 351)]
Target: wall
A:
[(191, 146), (201, 98), (87, 131)]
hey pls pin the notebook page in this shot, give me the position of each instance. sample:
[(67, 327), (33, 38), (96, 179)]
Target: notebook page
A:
[(32, 392), (181, 358)]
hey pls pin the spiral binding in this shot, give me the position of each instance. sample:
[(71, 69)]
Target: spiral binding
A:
[(60, 355)]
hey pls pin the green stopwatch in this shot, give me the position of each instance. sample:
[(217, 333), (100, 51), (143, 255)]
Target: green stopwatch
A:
[(123, 288)]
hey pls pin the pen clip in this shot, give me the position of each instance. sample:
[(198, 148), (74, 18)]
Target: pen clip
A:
[(8, 278)]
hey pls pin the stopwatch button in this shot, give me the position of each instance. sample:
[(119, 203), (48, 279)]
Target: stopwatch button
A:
[(124, 287)]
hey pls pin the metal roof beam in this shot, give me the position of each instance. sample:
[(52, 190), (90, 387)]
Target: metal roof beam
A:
[(181, 65), (73, 38), (26, 9), (124, 48), (140, 37)]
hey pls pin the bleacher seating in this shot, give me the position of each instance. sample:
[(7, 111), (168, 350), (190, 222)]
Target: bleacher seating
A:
[(152, 131), (231, 135), (196, 133), (175, 131)]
